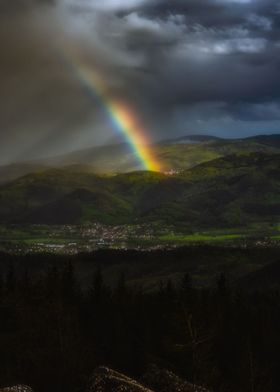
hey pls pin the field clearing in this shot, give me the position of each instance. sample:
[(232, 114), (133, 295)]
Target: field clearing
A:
[(202, 237)]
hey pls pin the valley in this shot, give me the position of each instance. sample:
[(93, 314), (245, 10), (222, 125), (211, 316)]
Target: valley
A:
[(75, 239), (229, 195)]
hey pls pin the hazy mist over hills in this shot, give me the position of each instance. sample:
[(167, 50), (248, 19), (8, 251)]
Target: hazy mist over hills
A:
[(206, 66), (234, 182), (174, 154)]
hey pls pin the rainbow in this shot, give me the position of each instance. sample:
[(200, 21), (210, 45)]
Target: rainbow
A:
[(120, 114)]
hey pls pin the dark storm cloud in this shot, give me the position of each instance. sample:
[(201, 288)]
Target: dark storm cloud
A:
[(199, 65), (269, 111), (19, 5), (227, 51)]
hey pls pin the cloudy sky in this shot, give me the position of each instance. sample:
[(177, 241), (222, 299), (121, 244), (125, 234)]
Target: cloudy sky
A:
[(184, 67)]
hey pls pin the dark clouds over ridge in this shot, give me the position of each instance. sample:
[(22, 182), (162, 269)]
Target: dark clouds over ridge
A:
[(184, 65)]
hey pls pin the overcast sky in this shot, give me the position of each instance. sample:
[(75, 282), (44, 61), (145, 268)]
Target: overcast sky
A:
[(184, 66)]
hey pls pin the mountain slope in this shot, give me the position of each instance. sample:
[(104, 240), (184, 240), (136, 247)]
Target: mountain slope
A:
[(185, 153), (233, 191), (12, 172), (266, 140), (174, 154)]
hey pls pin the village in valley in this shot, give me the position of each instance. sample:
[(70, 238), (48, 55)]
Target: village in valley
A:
[(73, 239)]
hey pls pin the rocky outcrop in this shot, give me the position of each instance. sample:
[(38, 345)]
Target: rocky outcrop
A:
[(17, 388), (107, 380), (104, 379), (162, 380), (155, 380)]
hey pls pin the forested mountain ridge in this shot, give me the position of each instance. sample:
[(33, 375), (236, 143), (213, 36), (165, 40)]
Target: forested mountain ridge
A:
[(231, 191), (174, 154)]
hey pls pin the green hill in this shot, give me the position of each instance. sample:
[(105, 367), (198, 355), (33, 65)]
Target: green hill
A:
[(175, 154), (186, 155), (233, 191)]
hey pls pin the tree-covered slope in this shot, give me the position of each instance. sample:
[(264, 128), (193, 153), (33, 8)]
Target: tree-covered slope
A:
[(232, 191), (175, 154)]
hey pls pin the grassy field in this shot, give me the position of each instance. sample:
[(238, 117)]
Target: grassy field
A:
[(79, 238), (202, 237)]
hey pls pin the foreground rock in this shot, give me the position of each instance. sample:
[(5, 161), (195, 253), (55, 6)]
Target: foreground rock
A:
[(107, 380), (155, 380), (162, 380), (17, 388)]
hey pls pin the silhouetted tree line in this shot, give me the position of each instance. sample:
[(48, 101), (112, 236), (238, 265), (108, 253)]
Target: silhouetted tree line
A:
[(53, 333)]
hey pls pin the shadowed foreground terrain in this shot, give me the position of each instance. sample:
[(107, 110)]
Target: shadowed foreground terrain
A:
[(107, 380), (54, 329)]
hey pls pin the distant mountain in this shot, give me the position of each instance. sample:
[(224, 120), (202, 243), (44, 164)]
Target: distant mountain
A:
[(267, 140), (192, 139), (11, 172), (181, 156), (232, 191), (174, 154)]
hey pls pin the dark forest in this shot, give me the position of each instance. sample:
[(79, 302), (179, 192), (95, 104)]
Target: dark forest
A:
[(54, 332)]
